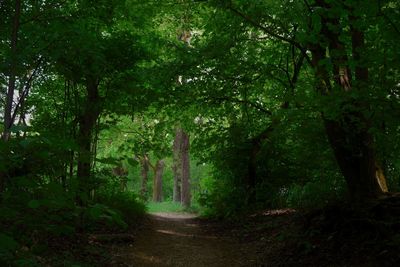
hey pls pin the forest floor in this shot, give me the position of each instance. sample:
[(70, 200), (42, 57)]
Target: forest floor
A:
[(182, 239), (329, 237), (337, 235)]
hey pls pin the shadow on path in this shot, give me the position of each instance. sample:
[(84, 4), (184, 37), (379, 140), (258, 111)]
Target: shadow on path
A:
[(177, 239)]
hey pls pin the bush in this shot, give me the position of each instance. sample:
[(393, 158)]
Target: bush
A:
[(124, 204), (42, 219), (314, 194), (221, 198)]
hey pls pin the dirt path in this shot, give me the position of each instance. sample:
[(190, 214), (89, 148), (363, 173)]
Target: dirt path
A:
[(174, 239)]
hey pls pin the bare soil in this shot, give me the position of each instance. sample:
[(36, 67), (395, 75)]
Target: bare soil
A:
[(337, 235), (176, 239)]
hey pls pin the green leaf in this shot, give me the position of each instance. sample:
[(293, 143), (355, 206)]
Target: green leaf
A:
[(96, 211), (110, 161), (34, 204), (7, 242), (18, 128), (132, 162)]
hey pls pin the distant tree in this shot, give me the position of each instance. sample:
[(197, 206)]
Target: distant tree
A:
[(177, 165), (158, 170), (144, 172), (181, 167)]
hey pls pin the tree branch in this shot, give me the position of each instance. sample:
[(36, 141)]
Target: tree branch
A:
[(26, 89), (270, 32), (240, 101)]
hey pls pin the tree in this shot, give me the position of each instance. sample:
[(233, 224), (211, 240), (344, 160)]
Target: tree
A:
[(27, 36), (144, 163), (105, 61), (331, 37), (349, 131), (177, 165), (186, 195), (8, 122), (181, 167), (146, 137), (158, 170)]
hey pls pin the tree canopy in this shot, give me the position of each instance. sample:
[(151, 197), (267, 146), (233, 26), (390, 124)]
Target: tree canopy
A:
[(229, 106)]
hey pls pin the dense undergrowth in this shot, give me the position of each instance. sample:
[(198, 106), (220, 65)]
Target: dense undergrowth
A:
[(338, 234), (226, 199), (42, 225), (345, 234)]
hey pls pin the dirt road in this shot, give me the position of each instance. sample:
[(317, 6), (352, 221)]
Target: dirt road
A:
[(175, 239)]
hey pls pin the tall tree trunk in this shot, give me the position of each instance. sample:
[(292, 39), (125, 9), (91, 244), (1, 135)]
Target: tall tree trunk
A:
[(251, 176), (72, 135), (256, 145), (63, 178), (13, 73), (7, 124), (157, 185), (186, 194), (348, 133), (177, 164), (144, 162), (87, 122), (356, 157)]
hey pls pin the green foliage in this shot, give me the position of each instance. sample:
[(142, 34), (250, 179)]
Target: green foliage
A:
[(53, 215), (246, 89), (125, 207), (313, 195), (36, 209), (102, 214), (7, 247), (221, 198)]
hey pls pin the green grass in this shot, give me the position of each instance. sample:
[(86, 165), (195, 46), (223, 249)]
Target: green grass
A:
[(168, 206)]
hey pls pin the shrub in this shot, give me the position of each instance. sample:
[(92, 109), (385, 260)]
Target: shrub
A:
[(124, 204), (314, 194)]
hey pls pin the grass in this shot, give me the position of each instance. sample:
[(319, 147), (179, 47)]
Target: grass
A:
[(168, 206)]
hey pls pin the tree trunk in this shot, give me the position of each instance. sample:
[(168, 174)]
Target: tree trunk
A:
[(87, 122), (349, 135), (177, 165), (63, 178), (256, 145), (181, 168), (7, 124), (72, 152), (144, 162), (356, 157), (185, 195), (13, 73), (157, 185), (122, 174)]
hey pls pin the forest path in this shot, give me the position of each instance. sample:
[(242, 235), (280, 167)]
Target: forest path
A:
[(178, 239)]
